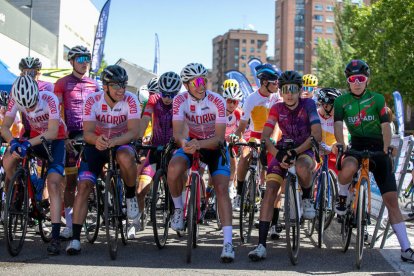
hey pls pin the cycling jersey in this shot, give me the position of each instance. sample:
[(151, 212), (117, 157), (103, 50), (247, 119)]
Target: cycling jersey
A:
[(256, 107), (15, 127), (162, 115), (295, 124), (46, 109), (72, 93), (148, 130), (45, 86), (363, 116), (202, 115), (111, 122), (232, 121)]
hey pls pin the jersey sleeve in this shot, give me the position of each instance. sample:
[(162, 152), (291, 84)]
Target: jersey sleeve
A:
[(134, 109), (12, 108), (384, 115), (312, 112), (220, 105), (52, 104), (178, 107), (58, 90), (338, 109), (273, 117), (247, 108), (149, 107), (89, 114)]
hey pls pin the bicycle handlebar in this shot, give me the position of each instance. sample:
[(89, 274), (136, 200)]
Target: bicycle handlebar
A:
[(315, 147), (48, 147), (361, 154)]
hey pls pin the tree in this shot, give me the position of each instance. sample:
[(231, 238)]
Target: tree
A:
[(329, 67)]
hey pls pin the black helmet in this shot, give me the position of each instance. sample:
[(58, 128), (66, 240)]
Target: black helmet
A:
[(267, 71), (169, 82), (30, 63), (114, 73), (290, 77), (357, 67), (4, 98), (78, 50), (328, 95)]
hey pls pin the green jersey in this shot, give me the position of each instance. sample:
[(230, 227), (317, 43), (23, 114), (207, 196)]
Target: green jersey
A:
[(363, 116)]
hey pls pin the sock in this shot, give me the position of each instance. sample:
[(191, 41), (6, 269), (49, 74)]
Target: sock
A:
[(68, 216), (275, 217), (129, 191), (263, 231), (55, 230), (401, 232), (240, 187), (306, 192), (77, 229), (343, 189), (178, 202), (228, 234)]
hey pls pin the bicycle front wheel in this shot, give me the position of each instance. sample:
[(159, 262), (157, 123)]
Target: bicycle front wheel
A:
[(111, 207), (192, 218), (93, 218), (361, 222), (322, 207), (247, 204), (331, 194), (16, 213), (292, 220)]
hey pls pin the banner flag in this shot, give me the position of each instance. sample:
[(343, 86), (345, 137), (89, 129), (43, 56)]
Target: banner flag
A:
[(157, 55), (99, 43), (253, 62), (245, 86), (399, 112)]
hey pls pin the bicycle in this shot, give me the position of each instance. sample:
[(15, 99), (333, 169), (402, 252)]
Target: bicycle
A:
[(21, 203), (359, 201), (160, 202), (324, 193), (249, 190), (192, 206)]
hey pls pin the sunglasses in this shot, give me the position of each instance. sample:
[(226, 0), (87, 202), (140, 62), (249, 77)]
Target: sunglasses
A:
[(272, 82), (308, 88), (168, 95), (359, 78), (230, 101), (290, 88), (117, 86), (82, 59), (200, 81)]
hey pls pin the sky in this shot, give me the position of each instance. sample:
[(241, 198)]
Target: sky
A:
[(185, 29)]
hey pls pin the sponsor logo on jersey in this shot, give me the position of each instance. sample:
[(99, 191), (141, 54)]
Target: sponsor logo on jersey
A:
[(38, 119), (204, 119), (133, 108), (177, 103), (51, 103), (192, 108), (104, 108), (219, 104), (117, 109), (88, 106), (109, 119)]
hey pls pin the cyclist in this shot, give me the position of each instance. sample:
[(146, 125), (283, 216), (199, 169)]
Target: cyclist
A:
[(159, 108), (152, 86), (233, 95), (256, 108), (298, 120), (42, 112), (72, 91), (17, 124), (310, 84), (204, 112), (365, 114), (110, 120)]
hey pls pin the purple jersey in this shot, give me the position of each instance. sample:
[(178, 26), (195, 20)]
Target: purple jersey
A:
[(45, 86), (295, 124), (72, 93), (162, 129)]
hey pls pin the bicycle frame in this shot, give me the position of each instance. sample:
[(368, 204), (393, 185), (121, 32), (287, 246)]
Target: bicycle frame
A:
[(324, 168), (194, 171), (363, 173)]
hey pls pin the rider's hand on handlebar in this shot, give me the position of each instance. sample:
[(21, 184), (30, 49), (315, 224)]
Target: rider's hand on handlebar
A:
[(23, 148), (335, 148), (69, 145), (102, 143)]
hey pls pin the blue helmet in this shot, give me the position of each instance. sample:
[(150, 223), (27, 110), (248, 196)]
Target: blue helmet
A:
[(267, 71)]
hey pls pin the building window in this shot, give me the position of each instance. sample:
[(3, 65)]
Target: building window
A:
[(243, 57), (260, 43), (318, 7), (244, 65), (251, 56), (298, 61), (315, 40), (329, 30), (244, 41), (330, 8), (252, 41), (236, 65), (299, 51), (252, 49), (244, 49), (300, 28), (299, 39), (318, 29), (330, 19), (236, 57), (318, 17), (236, 49)]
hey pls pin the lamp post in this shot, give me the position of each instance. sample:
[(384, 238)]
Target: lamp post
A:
[(30, 22)]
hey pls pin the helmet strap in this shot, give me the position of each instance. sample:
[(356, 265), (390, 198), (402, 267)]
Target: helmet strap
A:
[(328, 112), (109, 95)]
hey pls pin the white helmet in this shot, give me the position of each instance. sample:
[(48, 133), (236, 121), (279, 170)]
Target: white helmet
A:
[(25, 91), (152, 85), (78, 51), (143, 94), (169, 82), (193, 70), (232, 90)]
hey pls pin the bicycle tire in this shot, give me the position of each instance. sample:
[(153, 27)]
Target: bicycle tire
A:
[(45, 220), (191, 217), (346, 229), (361, 222), (292, 220), (16, 213), (246, 207), (122, 210), (111, 206), (93, 218), (332, 197), (160, 209), (322, 207), (311, 223), (216, 206)]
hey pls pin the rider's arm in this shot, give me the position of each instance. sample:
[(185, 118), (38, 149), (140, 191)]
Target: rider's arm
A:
[(242, 127), (132, 133), (147, 114), (270, 125), (213, 142), (179, 134), (386, 135), (267, 131), (89, 132), (247, 111), (315, 123), (384, 117), (143, 125), (50, 134), (5, 128)]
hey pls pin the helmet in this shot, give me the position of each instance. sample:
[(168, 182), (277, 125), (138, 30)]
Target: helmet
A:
[(25, 91), (78, 51), (233, 92), (310, 80), (30, 63), (230, 83), (193, 70), (290, 77), (328, 95), (170, 82), (357, 67), (114, 73), (143, 94), (4, 98), (153, 85), (266, 71)]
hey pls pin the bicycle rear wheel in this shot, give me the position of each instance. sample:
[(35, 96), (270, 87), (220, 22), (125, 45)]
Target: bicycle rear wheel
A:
[(192, 218), (322, 207), (16, 213), (311, 223), (247, 204), (93, 218), (292, 220), (160, 208), (111, 207), (361, 222), (331, 197), (346, 230)]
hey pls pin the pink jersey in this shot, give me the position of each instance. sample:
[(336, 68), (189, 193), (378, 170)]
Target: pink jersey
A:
[(201, 116), (45, 86), (232, 122), (111, 122), (46, 109)]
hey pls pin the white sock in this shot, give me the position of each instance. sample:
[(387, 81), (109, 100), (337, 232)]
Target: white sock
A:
[(401, 232), (228, 234), (178, 202), (343, 189), (68, 216)]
